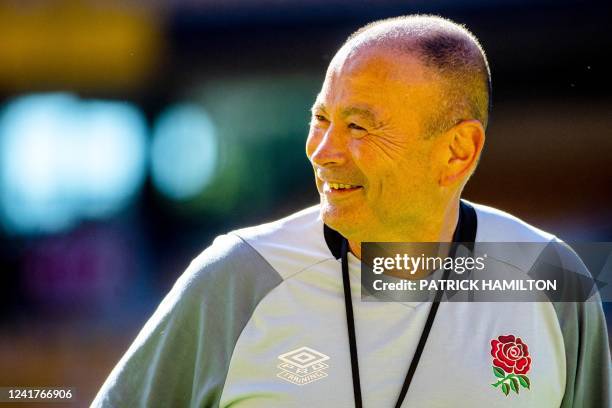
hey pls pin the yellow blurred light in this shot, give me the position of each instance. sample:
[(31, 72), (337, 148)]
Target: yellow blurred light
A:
[(79, 45)]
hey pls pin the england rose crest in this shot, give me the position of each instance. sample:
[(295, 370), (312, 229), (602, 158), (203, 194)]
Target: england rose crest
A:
[(511, 363)]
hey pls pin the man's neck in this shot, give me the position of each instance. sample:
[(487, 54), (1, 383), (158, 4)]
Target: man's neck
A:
[(430, 232)]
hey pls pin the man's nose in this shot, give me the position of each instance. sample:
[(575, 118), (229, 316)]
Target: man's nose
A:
[(331, 150)]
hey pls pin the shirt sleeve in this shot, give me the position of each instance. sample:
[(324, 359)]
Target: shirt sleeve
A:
[(585, 336), (181, 356), (587, 352)]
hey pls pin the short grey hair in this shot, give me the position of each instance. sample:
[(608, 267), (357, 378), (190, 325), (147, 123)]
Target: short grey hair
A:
[(453, 53)]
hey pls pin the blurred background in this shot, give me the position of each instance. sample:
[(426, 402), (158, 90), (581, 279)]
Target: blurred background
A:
[(132, 133)]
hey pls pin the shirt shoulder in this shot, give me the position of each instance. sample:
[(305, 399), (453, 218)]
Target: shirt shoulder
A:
[(510, 240), (291, 244), (181, 355), (495, 225)]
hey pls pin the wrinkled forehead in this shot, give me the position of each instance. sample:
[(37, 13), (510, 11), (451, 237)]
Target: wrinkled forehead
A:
[(375, 69)]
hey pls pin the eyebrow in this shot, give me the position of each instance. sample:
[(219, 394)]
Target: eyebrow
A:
[(318, 106), (364, 113)]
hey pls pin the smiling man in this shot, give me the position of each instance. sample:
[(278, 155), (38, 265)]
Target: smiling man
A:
[(400, 121), (270, 316)]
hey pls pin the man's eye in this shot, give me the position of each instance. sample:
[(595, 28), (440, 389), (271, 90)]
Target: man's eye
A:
[(354, 126)]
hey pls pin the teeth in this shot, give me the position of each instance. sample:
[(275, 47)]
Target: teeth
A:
[(340, 186)]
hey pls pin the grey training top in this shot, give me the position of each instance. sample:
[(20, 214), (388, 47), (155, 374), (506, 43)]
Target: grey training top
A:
[(258, 320)]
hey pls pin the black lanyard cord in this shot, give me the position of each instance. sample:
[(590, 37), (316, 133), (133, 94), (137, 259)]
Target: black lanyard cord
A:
[(348, 302), (421, 346)]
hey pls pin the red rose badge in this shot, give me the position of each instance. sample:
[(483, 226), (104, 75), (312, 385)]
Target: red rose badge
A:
[(511, 361)]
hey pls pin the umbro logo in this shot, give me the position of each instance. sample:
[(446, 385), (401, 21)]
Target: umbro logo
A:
[(302, 366)]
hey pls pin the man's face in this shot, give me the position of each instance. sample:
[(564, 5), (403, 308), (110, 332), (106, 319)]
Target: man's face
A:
[(367, 144)]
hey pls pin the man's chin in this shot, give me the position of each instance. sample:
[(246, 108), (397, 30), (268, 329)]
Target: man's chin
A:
[(339, 220)]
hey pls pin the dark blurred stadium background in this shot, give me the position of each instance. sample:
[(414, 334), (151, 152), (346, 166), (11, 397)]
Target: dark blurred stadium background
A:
[(132, 133)]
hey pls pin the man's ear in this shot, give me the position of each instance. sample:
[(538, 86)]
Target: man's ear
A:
[(463, 145)]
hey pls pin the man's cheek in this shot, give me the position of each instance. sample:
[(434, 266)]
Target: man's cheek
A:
[(374, 151)]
